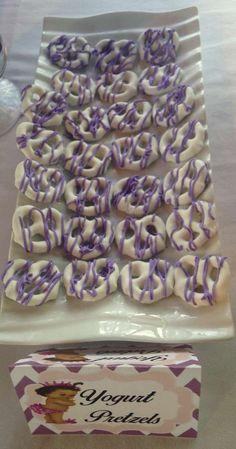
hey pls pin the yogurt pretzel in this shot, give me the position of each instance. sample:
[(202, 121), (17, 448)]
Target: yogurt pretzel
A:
[(39, 144), (182, 186), (141, 238), (158, 46), (202, 281), (78, 89), (91, 124), (29, 223), (87, 239), (121, 87), (147, 282), (31, 283), (115, 56), (130, 117), (69, 52), (39, 183), (138, 196), (189, 229), (88, 197), (172, 108), (91, 281), (156, 80), (135, 152), (44, 108), (182, 143), (86, 160)]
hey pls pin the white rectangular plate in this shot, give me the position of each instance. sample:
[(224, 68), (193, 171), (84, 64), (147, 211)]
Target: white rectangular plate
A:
[(117, 318)]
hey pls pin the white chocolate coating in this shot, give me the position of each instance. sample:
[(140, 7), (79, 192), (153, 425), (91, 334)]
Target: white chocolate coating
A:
[(202, 282), (37, 230), (115, 56), (156, 80), (182, 143), (87, 239), (189, 229), (112, 88), (170, 109), (31, 283), (39, 144), (78, 89), (86, 160), (185, 184), (135, 152), (91, 124), (141, 238), (158, 46), (130, 117), (147, 282), (91, 281), (69, 52)]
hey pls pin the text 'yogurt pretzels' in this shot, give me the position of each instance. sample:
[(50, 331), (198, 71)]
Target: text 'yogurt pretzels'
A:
[(182, 186), (202, 282), (37, 230), (39, 183), (141, 238), (115, 56), (91, 124), (42, 107), (90, 197), (130, 117), (78, 89), (183, 143), (70, 52), (135, 152), (147, 282), (121, 87), (88, 239), (91, 281), (138, 196), (189, 229), (86, 160), (31, 283), (158, 46), (172, 108), (156, 80), (39, 144)]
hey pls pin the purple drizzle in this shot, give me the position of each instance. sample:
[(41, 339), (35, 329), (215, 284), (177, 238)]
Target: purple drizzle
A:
[(131, 118), (83, 159), (159, 47), (169, 77), (126, 152), (46, 107), (122, 59), (100, 200), (62, 52), (171, 148), (169, 111)]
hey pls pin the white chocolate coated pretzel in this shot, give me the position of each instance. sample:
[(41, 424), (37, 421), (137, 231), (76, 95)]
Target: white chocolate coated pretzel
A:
[(91, 124), (39, 144), (115, 56), (91, 281), (78, 89), (31, 283), (117, 87), (158, 46), (182, 186), (189, 229), (86, 160), (71, 52), (42, 107), (182, 143), (202, 281), (90, 197), (141, 238), (130, 117), (135, 152), (37, 230), (156, 80), (39, 183), (87, 239), (172, 108), (138, 196), (147, 282)]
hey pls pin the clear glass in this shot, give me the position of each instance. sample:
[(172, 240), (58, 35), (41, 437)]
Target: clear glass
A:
[(10, 103)]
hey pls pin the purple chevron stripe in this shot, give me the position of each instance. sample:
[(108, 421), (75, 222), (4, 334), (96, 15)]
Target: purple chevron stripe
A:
[(196, 414), (73, 369), (42, 430), (100, 432), (195, 386), (39, 368), (176, 370), (20, 387), (190, 433), (28, 414)]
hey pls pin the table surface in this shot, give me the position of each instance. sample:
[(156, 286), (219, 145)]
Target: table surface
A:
[(21, 26)]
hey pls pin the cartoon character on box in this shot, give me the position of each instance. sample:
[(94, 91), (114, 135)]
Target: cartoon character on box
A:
[(60, 396)]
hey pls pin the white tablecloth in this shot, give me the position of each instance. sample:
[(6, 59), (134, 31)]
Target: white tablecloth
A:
[(21, 25)]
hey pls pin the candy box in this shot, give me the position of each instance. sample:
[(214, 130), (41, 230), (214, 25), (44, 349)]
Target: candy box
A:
[(133, 390)]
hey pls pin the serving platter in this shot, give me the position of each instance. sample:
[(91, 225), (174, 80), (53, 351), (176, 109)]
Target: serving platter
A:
[(117, 318)]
